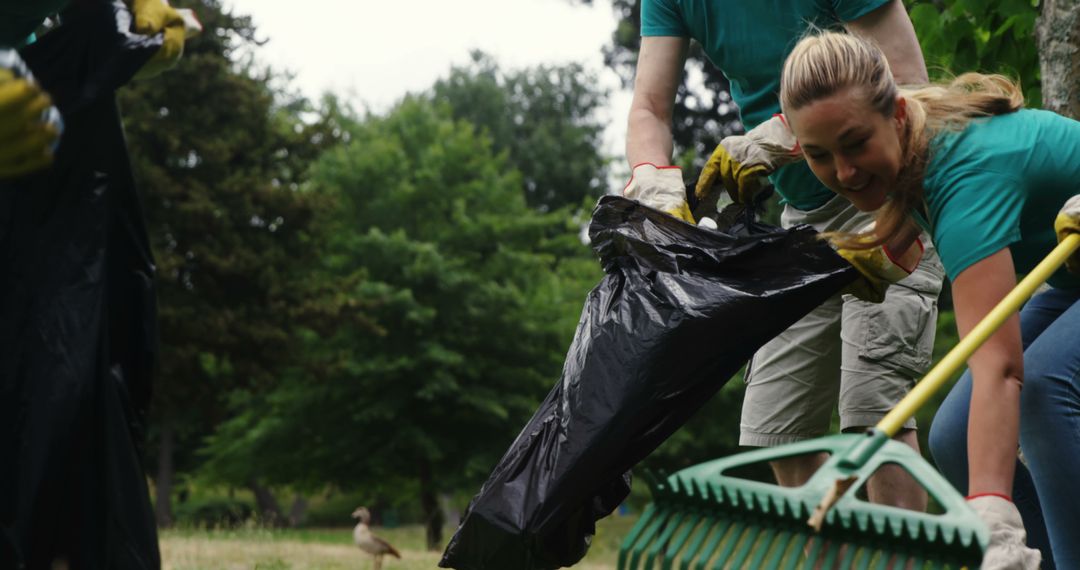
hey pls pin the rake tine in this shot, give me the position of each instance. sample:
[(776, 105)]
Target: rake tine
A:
[(849, 555), (631, 539), (699, 539), (665, 535), (815, 551), (797, 546), (767, 543), (680, 539), (648, 534), (866, 557), (831, 554), (883, 559), (738, 530), (781, 542), (751, 538), (726, 528)]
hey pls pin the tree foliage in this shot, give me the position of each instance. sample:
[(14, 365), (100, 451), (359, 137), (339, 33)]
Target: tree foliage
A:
[(220, 157), (469, 288), (544, 118), (991, 36)]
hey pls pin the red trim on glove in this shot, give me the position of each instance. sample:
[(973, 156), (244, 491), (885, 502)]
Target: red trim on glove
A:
[(998, 495), (922, 250), (783, 119)]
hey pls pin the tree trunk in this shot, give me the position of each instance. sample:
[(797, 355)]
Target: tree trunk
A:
[(298, 510), (164, 481), (429, 506), (267, 506), (1058, 32)]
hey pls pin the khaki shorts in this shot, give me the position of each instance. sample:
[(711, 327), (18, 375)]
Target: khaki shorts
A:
[(864, 356)]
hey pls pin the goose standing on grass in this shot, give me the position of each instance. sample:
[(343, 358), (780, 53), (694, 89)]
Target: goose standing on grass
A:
[(367, 541)]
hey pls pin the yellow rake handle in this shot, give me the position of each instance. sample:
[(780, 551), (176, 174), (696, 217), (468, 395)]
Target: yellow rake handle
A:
[(956, 357)]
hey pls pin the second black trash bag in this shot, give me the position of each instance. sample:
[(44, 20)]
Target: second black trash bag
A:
[(679, 312), (78, 324)]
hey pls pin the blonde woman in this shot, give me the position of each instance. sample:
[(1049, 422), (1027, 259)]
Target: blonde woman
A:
[(987, 179)]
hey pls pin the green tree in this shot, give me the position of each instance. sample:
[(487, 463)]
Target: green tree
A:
[(544, 118), (220, 157), (991, 36), (473, 289)]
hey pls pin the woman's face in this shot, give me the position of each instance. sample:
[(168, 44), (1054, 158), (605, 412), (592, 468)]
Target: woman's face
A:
[(851, 147)]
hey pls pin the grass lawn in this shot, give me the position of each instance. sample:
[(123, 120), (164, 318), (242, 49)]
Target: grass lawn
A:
[(332, 549)]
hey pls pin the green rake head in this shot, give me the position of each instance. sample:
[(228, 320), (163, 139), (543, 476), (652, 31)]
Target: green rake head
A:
[(704, 518)]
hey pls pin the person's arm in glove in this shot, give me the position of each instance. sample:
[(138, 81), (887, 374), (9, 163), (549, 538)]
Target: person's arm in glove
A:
[(29, 125), (1068, 222), (739, 163), (654, 182), (1008, 549), (660, 188), (883, 265), (152, 17)]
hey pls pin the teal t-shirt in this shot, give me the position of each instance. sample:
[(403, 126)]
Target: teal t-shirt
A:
[(1000, 183), (748, 40)]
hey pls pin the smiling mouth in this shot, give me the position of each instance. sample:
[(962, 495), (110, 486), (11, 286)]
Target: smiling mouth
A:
[(859, 187)]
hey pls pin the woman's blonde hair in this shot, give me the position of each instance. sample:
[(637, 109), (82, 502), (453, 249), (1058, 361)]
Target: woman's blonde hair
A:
[(826, 63)]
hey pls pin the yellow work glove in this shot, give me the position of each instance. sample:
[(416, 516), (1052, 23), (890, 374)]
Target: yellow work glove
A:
[(29, 124), (660, 188), (1068, 222), (152, 17), (740, 163), (880, 268)]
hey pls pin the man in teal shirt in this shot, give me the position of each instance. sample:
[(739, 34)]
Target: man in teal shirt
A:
[(865, 356)]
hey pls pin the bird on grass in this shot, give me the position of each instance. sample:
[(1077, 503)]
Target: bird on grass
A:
[(368, 542)]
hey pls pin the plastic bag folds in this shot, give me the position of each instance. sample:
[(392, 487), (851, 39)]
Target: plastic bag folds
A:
[(679, 311), (78, 323)]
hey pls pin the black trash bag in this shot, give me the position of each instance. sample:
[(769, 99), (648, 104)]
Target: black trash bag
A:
[(679, 312), (78, 332)]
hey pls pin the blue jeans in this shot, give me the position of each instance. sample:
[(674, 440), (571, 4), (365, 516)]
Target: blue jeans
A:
[(1049, 428)]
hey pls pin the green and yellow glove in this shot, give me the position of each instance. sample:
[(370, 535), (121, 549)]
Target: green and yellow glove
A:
[(660, 188), (740, 163), (152, 17), (29, 124), (880, 268), (1068, 222)]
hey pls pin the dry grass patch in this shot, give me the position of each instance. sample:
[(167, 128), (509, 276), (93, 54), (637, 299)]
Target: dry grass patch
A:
[(332, 549)]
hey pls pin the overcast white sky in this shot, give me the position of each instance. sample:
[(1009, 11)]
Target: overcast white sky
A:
[(372, 52)]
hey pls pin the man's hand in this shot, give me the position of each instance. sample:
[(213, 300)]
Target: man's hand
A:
[(1008, 549), (880, 267), (152, 17), (29, 125), (1068, 222), (660, 188), (740, 162)]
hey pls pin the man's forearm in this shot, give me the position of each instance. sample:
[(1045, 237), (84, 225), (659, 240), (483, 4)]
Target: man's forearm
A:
[(648, 139)]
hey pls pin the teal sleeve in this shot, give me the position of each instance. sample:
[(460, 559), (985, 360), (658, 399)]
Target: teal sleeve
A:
[(848, 10), (979, 216), (662, 18)]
